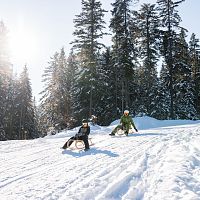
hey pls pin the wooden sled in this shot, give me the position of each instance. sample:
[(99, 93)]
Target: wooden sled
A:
[(122, 132), (79, 144)]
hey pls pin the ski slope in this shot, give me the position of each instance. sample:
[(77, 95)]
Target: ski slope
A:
[(160, 162)]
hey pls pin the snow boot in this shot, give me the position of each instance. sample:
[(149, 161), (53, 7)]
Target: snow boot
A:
[(87, 149), (126, 133)]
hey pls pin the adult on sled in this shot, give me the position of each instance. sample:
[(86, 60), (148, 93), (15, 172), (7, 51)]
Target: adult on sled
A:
[(125, 124), (82, 134)]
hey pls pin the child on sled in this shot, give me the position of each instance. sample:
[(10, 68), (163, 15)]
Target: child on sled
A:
[(125, 123), (82, 134)]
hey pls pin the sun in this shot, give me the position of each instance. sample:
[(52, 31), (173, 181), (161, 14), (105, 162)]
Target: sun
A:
[(23, 46)]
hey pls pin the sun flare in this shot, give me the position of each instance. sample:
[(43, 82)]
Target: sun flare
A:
[(22, 46)]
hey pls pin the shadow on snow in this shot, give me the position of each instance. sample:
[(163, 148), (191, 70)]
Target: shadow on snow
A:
[(140, 135), (92, 151)]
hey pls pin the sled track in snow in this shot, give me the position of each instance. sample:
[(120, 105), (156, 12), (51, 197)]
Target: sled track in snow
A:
[(106, 173), (116, 168)]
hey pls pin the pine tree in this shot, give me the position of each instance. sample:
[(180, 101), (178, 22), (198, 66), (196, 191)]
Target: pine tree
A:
[(56, 102), (161, 101), (48, 102), (107, 104), (148, 37), (62, 79), (183, 83), (5, 78), (194, 52), (124, 53), (25, 108), (170, 21), (10, 112), (72, 68), (37, 132), (3, 94), (89, 27)]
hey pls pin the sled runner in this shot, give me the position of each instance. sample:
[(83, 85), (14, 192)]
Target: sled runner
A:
[(79, 144)]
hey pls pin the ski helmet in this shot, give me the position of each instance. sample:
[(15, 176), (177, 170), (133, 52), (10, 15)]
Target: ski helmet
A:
[(126, 112), (84, 121)]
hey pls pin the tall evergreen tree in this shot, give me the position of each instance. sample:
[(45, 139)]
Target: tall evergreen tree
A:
[(49, 104), (148, 23), (183, 83), (124, 53), (170, 21), (194, 52), (3, 94), (62, 78), (89, 25), (37, 132), (107, 102), (56, 102), (25, 108), (161, 101), (5, 78), (72, 69), (10, 116)]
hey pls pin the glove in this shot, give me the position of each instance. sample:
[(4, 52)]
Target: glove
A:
[(136, 130)]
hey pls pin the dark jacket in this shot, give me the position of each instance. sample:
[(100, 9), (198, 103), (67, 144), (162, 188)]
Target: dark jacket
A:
[(83, 131)]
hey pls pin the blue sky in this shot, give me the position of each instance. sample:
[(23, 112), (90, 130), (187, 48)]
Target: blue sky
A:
[(39, 28)]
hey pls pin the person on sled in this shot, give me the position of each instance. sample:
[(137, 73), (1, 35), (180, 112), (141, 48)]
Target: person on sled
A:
[(125, 123), (82, 134)]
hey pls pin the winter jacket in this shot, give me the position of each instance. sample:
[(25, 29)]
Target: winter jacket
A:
[(83, 131), (127, 120)]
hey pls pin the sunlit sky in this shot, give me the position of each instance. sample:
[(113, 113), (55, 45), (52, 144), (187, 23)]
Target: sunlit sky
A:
[(39, 28)]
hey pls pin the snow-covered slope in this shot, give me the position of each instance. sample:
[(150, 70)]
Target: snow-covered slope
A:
[(160, 162)]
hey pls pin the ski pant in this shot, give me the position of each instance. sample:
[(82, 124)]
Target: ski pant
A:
[(70, 141), (123, 127)]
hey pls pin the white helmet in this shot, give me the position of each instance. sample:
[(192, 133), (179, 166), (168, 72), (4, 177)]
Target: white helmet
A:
[(126, 111)]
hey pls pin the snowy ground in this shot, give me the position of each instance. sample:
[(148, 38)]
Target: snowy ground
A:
[(160, 162)]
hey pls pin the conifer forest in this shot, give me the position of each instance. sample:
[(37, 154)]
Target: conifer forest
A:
[(152, 67)]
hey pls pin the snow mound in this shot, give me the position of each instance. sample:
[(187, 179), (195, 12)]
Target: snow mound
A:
[(148, 122)]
